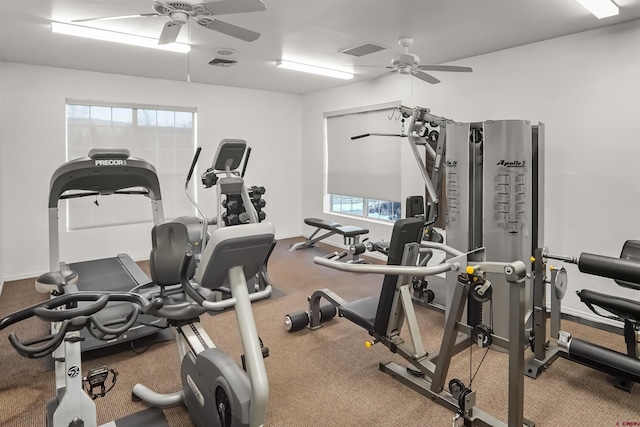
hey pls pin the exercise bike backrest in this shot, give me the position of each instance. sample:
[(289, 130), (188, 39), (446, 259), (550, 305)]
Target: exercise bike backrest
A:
[(171, 259), (229, 247)]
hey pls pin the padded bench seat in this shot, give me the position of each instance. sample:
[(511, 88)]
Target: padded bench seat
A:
[(362, 312), (351, 230), (624, 308), (350, 233), (322, 223)]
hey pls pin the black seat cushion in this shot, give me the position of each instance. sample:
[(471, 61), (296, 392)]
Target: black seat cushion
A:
[(623, 308), (351, 230), (362, 312), (322, 223)]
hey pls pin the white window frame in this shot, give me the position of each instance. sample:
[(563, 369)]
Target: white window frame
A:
[(138, 207)]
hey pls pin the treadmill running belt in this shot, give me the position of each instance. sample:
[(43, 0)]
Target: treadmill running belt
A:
[(109, 274)]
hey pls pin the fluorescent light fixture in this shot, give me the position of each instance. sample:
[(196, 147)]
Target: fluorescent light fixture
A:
[(112, 36), (600, 8), (313, 69)]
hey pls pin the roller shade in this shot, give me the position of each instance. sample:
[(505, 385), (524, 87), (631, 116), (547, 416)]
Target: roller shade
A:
[(366, 167)]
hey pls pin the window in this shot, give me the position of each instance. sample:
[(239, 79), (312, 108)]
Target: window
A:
[(162, 136), (378, 209), (367, 167)]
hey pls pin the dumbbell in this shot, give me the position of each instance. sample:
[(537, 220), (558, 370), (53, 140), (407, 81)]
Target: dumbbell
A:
[(255, 191), (262, 215), (299, 320), (233, 219), (259, 203)]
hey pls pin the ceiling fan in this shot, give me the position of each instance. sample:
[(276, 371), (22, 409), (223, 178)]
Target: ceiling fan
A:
[(409, 63), (179, 13)]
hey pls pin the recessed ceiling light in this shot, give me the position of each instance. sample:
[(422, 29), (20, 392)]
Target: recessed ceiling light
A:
[(226, 51), (281, 63), (112, 36)]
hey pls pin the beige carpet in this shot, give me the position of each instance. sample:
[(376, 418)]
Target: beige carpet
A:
[(325, 377)]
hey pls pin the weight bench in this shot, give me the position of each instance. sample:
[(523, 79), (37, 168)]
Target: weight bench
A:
[(350, 233)]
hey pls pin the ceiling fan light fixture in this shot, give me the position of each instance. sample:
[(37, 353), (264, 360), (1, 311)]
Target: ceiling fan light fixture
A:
[(600, 8), (115, 37), (281, 63)]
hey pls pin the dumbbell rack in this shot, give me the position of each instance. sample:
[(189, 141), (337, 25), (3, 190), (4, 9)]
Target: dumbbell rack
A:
[(234, 206)]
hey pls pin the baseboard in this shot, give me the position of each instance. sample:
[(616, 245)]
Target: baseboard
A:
[(23, 276)]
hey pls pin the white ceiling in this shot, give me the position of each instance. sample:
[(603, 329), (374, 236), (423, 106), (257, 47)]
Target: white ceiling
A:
[(308, 31)]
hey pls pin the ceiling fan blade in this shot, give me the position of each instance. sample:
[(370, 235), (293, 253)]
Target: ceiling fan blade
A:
[(170, 32), (425, 77), (229, 29), (454, 68), (370, 66), (379, 76), (234, 6), (108, 18)]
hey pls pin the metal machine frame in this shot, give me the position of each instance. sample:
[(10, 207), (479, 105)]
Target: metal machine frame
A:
[(432, 369), (626, 272)]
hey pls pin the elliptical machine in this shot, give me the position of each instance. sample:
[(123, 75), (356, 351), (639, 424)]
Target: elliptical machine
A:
[(225, 175)]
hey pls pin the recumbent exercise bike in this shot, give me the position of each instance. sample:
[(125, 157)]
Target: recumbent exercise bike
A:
[(216, 391)]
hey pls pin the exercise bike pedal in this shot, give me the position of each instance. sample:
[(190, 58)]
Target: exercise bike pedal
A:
[(265, 354)]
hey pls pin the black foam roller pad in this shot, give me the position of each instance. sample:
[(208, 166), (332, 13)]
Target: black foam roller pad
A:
[(614, 268), (605, 360)]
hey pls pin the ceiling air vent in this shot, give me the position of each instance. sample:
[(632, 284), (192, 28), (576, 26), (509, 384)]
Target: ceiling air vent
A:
[(363, 49), (219, 62)]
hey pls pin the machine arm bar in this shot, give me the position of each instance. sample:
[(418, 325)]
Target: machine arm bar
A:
[(399, 135), (565, 258), (386, 269)]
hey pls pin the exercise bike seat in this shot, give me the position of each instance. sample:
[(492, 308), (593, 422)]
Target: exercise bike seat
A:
[(623, 308), (362, 312)]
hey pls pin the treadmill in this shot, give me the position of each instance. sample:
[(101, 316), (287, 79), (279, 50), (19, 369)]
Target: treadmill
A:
[(105, 172)]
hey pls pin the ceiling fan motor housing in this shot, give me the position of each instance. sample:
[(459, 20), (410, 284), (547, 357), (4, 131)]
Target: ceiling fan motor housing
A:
[(405, 60)]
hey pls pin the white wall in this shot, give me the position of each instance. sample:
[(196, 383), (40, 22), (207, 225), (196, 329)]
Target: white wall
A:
[(33, 146), (583, 87)]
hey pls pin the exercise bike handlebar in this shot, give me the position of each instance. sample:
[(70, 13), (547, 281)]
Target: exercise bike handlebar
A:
[(187, 287), (73, 319), (398, 270)]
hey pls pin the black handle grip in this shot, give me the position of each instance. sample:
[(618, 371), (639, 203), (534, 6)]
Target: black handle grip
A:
[(246, 161), (49, 315), (360, 136), (33, 351), (109, 332), (184, 279), (193, 163)]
